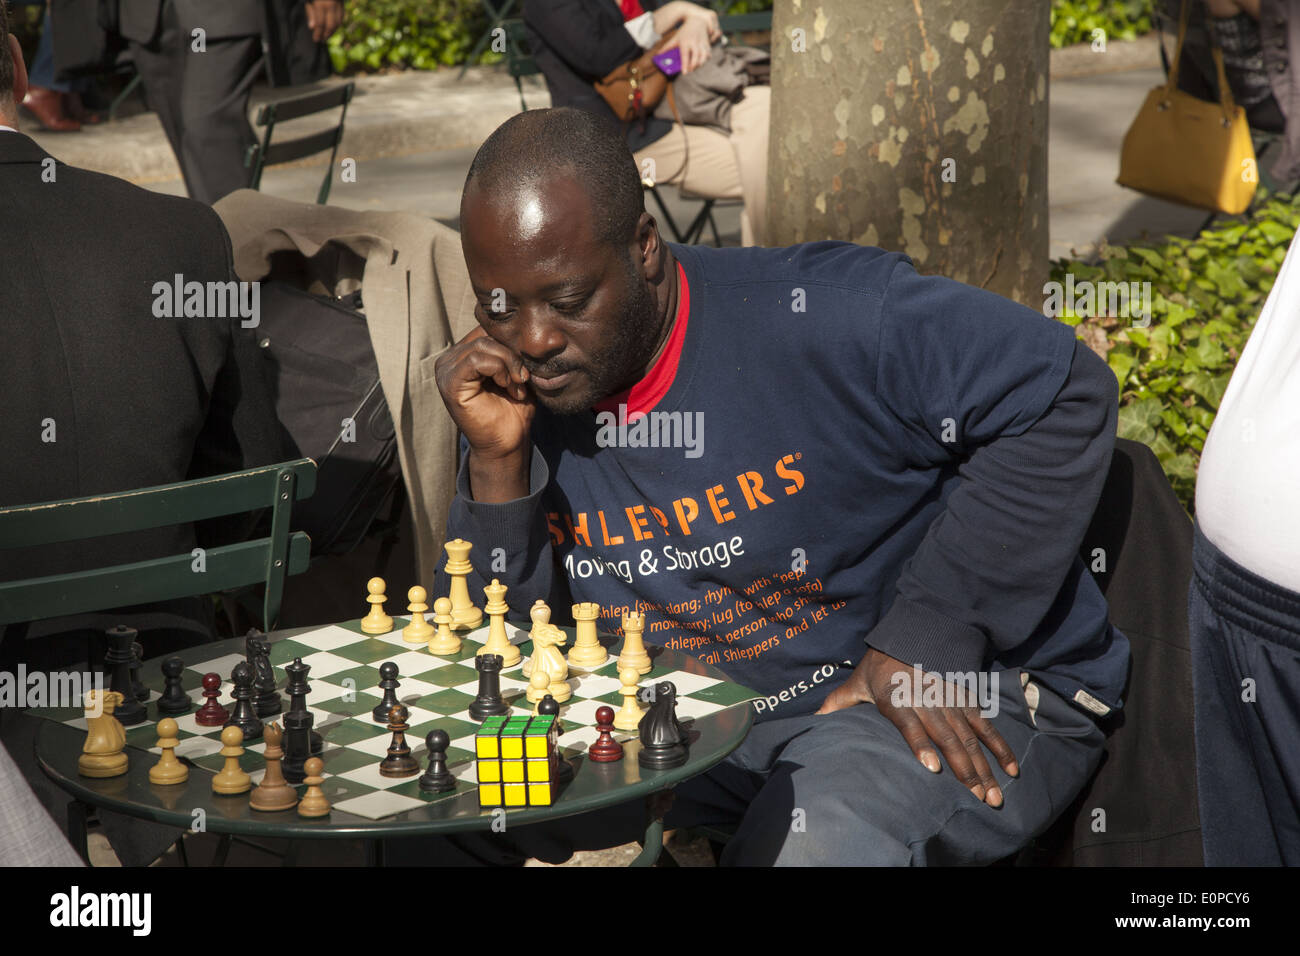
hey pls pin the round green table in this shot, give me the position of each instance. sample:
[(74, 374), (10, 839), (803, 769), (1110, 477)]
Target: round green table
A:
[(594, 786)]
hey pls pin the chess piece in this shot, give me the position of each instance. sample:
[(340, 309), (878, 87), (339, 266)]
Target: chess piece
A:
[(388, 683), (464, 615), (539, 686), (419, 630), (174, 700), (118, 659), (606, 749), (399, 762), (563, 771), (587, 650), (629, 715), (540, 614), (313, 803), (274, 792), (232, 779), (437, 779), (497, 642), (211, 714), (634, 652), (266, 697), (444, 643), (376, 622), (168, 769), (663, 738), (300, 741), (242, 715), (488, 702), (137, 686), (101, 755)]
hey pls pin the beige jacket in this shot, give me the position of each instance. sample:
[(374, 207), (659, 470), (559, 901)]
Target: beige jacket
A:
[(417, 301)]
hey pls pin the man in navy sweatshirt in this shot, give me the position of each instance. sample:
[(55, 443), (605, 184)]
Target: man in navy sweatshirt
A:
[(839, 481)]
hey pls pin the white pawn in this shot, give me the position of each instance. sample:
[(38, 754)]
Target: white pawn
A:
[(419, 630), (443, 643), (629, 715), (376, 622)]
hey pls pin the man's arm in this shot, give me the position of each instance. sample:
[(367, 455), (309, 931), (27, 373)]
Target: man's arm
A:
[(1027, 416)]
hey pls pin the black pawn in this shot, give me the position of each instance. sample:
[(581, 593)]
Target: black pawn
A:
[(137, 686), (266, 697), (399, 762), (488, 703), (436, 779), (297, 745), (242, 715), (174, 700), (663, 738), (117, 660), (389, 683), (563, 769)]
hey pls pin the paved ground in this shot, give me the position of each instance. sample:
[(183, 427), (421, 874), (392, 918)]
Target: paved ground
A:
[(413, 136)]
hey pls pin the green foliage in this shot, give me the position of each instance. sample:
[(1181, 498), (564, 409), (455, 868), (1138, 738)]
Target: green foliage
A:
[(1074, 20), (1206, 294), (408, 34)]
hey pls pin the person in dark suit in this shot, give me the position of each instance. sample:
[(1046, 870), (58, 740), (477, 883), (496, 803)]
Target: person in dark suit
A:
[(199, 82), (101, 394)]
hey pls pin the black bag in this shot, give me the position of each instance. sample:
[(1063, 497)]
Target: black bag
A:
[(328, 397)]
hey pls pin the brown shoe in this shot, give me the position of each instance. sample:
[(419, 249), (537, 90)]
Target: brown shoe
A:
[(78, 111), (47, 107)]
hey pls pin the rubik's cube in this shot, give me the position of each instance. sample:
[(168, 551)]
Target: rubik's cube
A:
[(515, 758)]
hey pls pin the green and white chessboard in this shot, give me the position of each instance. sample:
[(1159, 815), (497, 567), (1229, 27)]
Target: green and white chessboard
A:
[(437, 691)]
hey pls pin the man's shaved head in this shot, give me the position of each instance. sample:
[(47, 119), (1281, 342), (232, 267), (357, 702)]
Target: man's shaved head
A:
[(537, 147)]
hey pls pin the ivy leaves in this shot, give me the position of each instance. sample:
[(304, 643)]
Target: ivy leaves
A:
[(1206, 294)]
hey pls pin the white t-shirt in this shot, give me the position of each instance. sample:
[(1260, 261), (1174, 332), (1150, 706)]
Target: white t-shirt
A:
[(1248, 485)]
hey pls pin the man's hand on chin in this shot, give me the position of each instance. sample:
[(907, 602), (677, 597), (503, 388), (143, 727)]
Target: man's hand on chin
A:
[(958, 732)]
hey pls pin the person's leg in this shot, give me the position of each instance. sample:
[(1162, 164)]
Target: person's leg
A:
[(847, 790), (749, 135), (696, 158), (161, 65), (1246, 681), (214, 111)]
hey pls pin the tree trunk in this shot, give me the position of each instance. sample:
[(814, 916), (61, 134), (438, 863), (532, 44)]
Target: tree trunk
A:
[(919, 126)]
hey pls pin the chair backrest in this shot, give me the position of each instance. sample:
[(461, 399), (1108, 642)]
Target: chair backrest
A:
[(745, 23), (263, 154), (267, 559), (519, 57)]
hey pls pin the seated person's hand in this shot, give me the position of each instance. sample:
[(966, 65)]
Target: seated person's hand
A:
[(692, 38), (957, 731), (323, 18)]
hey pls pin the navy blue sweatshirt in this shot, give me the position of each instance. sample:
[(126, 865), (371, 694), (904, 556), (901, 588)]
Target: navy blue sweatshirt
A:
[(855, 453)]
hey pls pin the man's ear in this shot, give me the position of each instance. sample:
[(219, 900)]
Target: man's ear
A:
[(649, 245), (20, 72)]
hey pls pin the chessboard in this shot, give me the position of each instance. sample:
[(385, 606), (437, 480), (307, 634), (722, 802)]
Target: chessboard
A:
[(437, 690)]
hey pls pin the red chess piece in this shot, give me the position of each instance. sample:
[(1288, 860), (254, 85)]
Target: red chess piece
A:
[(211, 714), (606, 749)]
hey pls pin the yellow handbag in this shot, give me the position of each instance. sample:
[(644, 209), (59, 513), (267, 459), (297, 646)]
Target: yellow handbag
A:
[(1190, 150)]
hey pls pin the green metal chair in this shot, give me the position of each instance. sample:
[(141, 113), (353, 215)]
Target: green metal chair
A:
[(498, 12), (263, 154), (262, 560)]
